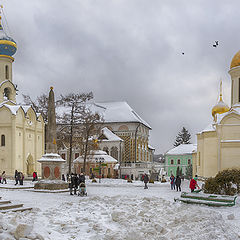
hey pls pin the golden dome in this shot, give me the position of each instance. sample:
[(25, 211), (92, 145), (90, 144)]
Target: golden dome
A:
[(236, 60), (220, 107)]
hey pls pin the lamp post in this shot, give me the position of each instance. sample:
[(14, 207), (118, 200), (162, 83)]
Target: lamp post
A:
[(100, 161)]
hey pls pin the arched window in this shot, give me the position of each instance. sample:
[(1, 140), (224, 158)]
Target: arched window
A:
[(6, 72), (114, 152), (172, 162), (2, 140), (189, 161), (7, 93), (178, 161)]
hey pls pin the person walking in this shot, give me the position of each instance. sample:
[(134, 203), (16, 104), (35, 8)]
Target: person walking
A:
[(4, 177), (178, 183), (63, 178), (172, 182), (16, 177), (145, 180), (75, 183), (21, 177), (193, 183)]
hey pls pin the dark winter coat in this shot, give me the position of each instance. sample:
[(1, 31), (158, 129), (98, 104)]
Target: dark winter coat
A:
[(81, 179), (146, 179), (74, 181), (178, 181)]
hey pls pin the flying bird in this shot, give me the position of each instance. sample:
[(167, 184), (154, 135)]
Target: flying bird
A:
[(216, 44), (182, 53)]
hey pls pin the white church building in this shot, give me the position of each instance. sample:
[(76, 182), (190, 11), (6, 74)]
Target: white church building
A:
[(21, 128)]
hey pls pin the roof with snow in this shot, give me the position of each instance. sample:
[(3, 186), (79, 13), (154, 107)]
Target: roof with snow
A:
[(95, 156), (183, 149), (109, 136), (119, 112), (14, 108), (112, 112), (150, 147), (51, 157)]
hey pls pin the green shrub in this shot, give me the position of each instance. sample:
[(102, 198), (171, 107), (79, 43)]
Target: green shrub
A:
[(109, 176), (163, 180), (94, 180), (129, 180), (151, 181), (226, 182)]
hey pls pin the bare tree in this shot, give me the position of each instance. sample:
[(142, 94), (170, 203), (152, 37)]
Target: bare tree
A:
[(90, 127), (70, 120), (40, 105)]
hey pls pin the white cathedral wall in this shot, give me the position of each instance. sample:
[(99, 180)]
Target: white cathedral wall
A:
[(206, 160), (230, 153)]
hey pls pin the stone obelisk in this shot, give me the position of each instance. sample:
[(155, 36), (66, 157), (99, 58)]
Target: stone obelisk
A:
[(51, 162), (51, 146)]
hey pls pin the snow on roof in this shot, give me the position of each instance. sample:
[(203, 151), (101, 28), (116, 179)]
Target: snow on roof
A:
[(150, 147), (14, 108), (182, 149), (110, 135), (210, 128), (51, 157), (95, 156), (119, 112), (112, 112)]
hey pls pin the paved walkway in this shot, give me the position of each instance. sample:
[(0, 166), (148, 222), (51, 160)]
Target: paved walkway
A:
[(11, 185)]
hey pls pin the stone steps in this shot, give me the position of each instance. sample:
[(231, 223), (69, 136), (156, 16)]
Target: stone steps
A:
[(8, 206), (4, 202), (15, 210)]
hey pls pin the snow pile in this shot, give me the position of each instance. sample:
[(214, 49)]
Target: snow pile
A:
[(117, 212)]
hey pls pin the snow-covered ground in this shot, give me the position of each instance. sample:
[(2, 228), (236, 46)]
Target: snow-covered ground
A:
[(115, 209)]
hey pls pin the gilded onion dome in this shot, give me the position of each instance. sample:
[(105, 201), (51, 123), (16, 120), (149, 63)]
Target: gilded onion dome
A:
[(8, 46), (236, 60), (220, 107)]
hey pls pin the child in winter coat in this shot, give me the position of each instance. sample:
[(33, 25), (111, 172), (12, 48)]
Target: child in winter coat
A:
[(172, 182), (193, 183)]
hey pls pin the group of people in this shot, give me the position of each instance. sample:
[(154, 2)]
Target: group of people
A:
[(74, 181), (3, 178), (18, 177), (176, 182)]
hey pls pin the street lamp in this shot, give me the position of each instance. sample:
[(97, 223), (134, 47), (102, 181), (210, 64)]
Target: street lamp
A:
[(100, 160)]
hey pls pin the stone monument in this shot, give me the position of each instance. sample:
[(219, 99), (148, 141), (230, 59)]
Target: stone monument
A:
[(51, 162)]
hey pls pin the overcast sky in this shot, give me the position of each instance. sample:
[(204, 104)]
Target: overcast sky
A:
[(130, 50)]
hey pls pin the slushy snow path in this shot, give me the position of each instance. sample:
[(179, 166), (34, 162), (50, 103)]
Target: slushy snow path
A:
[(116, 210)]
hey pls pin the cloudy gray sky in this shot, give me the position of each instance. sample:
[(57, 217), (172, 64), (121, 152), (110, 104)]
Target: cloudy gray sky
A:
[(130, 50)]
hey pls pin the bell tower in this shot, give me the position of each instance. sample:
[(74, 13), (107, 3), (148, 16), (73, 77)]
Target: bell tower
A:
[(8, 48), (235, 77)]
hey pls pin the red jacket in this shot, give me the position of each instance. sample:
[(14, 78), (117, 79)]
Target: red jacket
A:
[(193, 184)]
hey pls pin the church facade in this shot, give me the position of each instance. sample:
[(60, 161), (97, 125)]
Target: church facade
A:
[(125, 136), (21, 128), (218, 146)]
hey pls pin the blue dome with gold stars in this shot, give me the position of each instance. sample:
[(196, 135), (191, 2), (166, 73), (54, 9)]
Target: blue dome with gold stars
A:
[(8, 46)]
